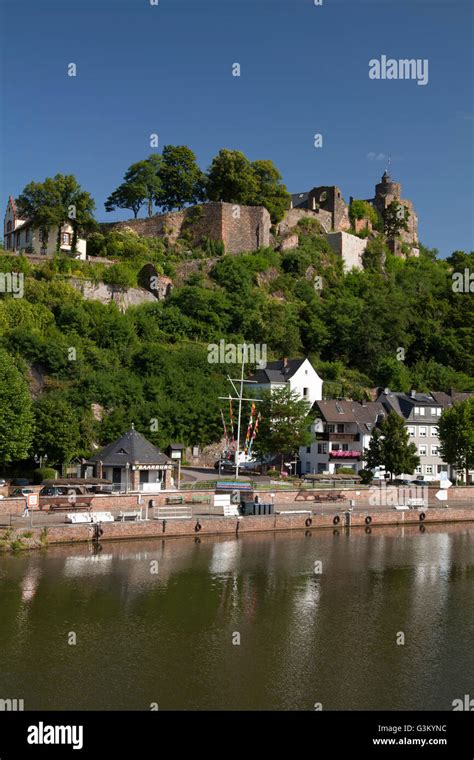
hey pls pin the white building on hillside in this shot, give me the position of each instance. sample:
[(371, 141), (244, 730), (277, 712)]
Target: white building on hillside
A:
[(20, 235), (299, 374)]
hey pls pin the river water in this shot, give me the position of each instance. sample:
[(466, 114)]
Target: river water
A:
[(265, 622)]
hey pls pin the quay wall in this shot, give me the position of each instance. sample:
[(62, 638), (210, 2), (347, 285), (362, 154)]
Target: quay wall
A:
[(302, 499), (214, 526)]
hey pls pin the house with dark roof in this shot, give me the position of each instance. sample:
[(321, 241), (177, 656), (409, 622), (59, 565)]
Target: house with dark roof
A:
[(298, 374), (342, 430), (421, 413), (132, 463)]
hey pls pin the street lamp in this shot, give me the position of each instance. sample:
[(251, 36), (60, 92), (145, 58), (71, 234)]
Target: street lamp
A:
[(127, 471)]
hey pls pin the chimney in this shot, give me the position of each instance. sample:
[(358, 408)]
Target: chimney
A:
[(386, 391), (413, 394)]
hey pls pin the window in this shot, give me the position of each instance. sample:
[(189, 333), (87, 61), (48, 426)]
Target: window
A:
[(420, 411), (429, 469), (27, 235), (422, 450), (322, 448), (418, 470), (411, 432), (9, 226), (422, 432), (335, 447), (308, 466), (308, 449), (345, 447), (65, 238), (340, 428), (433, 411), (305, 391), (17, 239), (438, 411), (434, 451), (330, 428), (434, 432)]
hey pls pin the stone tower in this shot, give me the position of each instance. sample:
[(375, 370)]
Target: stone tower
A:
[(387, 191)]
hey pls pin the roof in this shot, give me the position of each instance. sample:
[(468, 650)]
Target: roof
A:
[(278, 372), (299, 200), (342, 410), (403, 403), (132, 447)]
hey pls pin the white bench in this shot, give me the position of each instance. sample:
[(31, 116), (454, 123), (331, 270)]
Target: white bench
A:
[(131, 515), (78, 517), (97, 517)]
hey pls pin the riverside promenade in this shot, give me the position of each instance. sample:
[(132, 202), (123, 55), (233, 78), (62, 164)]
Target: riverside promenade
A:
[(293, 510)]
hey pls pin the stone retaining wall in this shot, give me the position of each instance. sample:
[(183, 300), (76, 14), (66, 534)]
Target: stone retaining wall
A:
[(213, 526)]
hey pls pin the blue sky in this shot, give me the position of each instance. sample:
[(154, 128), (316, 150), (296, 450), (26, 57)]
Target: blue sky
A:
[(167, 69)]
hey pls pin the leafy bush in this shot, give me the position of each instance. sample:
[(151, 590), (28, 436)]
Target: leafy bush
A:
[(43, 473)]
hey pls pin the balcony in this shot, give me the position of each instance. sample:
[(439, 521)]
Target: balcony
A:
[(338, 437), (345, 454)]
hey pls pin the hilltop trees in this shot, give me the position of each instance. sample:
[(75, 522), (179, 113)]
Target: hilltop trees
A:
[(170, 180), (57, 201), (232, 178), (456, 435), (16, 417), (141, 185), (181, 178)]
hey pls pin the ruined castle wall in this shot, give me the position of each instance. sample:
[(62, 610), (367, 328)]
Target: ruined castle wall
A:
[(240, 228), (294, 215), (245, 228), (349, 247)]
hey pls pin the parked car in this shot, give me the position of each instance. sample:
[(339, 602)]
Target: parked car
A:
[(21, 482), (420, 483), (3, 482), (21, 491), (226, 465), (403, 482)]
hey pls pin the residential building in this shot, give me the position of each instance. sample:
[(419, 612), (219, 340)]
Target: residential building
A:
[(132, 463), (20, 235), (298, 374), (421, 413), (342, 430)]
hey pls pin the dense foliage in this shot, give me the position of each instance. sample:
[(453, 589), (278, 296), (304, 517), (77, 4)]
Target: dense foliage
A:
[(94, 370)]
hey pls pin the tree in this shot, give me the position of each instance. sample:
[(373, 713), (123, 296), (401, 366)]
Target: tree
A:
[(57, 201), (395, 219), (231, 178), (57, 430), (16, 417), (283, 425), (363, 210), (182, 181), (390, 447), (271, 192), (141, 184), (456, 435)]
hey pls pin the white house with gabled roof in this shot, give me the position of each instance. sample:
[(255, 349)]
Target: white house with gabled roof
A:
[(299, 374), (20, 235)]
